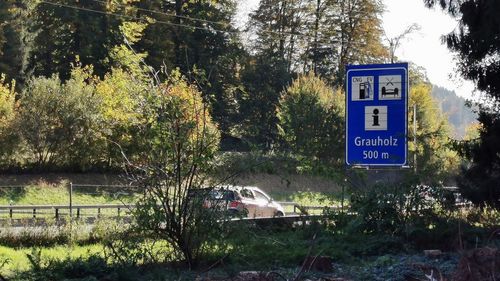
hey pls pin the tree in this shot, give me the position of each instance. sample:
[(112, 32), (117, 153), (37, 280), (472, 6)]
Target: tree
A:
[(311, 119), (436, 161), (7, 115), (120, 94), (15, 39), (360, 34), (197, 37), (479, 179), (476, 43), (181, 140), (395, 42), (85, 30)]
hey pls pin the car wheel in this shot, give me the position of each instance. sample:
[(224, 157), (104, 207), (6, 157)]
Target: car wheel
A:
[(279, 214)]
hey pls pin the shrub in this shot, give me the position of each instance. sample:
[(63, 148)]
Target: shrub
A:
[(396, 209), (58, 120), (311, 121), (181, 141)]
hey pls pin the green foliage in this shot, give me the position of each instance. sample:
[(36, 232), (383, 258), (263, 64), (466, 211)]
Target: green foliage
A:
[(58, 120), (436, 161), (15, 39), (479, 179), (275, 163), (180, 140), (263, 80), (353, 35), (396, 209), (311, 119), (121, 93), (8, 113), (63, 34), (476, 43), (460, 116)]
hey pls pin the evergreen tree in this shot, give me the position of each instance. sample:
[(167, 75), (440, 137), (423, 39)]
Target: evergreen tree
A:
[(85, 30), (15, 38), (476, 42)]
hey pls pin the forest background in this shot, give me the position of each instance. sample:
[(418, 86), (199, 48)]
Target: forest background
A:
[(77, 76)]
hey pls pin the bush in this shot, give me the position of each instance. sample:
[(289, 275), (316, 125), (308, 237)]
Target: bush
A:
[(181, 141), (396, 210), (311, 119), (58, 120)]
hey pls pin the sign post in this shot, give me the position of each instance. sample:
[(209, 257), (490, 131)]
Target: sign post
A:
[(377, 115)]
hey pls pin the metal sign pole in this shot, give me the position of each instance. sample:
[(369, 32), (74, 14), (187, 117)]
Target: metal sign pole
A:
[(415, 137)]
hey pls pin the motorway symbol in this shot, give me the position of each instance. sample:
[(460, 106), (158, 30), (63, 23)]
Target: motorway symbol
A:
[(376, 115)]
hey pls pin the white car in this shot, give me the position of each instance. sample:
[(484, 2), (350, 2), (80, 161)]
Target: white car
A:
[(246, 200)]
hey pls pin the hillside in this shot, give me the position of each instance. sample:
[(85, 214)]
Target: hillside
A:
[(459, 114)]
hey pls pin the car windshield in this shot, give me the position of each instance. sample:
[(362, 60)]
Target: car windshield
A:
[(260, 196)]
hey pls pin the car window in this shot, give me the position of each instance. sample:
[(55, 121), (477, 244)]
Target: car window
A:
[(247, 193), (222, 195), (228, 195), (260, 196)]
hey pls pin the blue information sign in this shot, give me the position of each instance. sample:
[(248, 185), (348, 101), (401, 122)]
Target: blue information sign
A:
[(376, 115)]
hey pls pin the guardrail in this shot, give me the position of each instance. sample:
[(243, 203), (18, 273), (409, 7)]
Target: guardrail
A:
[(72, 210), (35, 210)]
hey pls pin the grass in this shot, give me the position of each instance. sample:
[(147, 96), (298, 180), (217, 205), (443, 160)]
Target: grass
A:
[(17, 258), (45, 194), (309, 198), (48, 194)]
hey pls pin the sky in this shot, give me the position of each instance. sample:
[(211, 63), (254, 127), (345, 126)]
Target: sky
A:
[(423, 47)]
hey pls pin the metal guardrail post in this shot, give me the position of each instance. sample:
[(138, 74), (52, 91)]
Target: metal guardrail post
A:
[(71, 200)]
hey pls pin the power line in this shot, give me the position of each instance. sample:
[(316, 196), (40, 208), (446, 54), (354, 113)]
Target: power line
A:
[(167, 14), (135, 18)]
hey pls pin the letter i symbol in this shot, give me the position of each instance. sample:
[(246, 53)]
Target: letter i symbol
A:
[(375, 117)]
